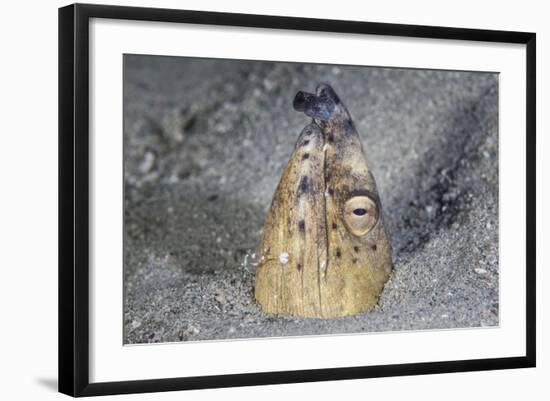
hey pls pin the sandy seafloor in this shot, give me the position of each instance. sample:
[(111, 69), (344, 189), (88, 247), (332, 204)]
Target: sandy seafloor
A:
[(205, 142)]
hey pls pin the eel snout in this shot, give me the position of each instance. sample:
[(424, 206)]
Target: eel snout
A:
[(323, 106)]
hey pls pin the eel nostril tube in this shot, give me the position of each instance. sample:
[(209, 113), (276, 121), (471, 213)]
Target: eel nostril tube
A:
[(303, 101), (320, 107)]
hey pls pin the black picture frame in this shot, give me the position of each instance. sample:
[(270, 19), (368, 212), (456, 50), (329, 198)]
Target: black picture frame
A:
[(74, 198)]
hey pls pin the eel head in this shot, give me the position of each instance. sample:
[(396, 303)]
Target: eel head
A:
[(324, 250)]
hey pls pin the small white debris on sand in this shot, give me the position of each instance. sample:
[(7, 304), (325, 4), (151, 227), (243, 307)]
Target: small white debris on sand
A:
[(283, 258), (173, 178), (221, 299), (251, 260), (244, 264), (479, 270), (147, 163), (254, 260)]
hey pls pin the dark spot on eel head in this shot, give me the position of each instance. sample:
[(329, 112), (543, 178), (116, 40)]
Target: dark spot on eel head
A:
[(354, 260), (334, 226), (299, 267), (302, 225), (305, 156), (304, 184), (331, 191), (356, 248), (373, 247), (331, 138), (338, 253), (306, 142)]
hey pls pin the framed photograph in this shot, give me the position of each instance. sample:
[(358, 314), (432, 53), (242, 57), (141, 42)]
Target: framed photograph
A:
[(250, 199)]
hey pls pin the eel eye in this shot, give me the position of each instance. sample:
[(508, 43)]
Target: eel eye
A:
[(360, 215)]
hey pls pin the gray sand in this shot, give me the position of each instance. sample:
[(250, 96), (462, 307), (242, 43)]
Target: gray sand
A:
[(205, 144)]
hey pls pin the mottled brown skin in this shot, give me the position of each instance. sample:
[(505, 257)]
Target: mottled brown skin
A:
[(324, 251)]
